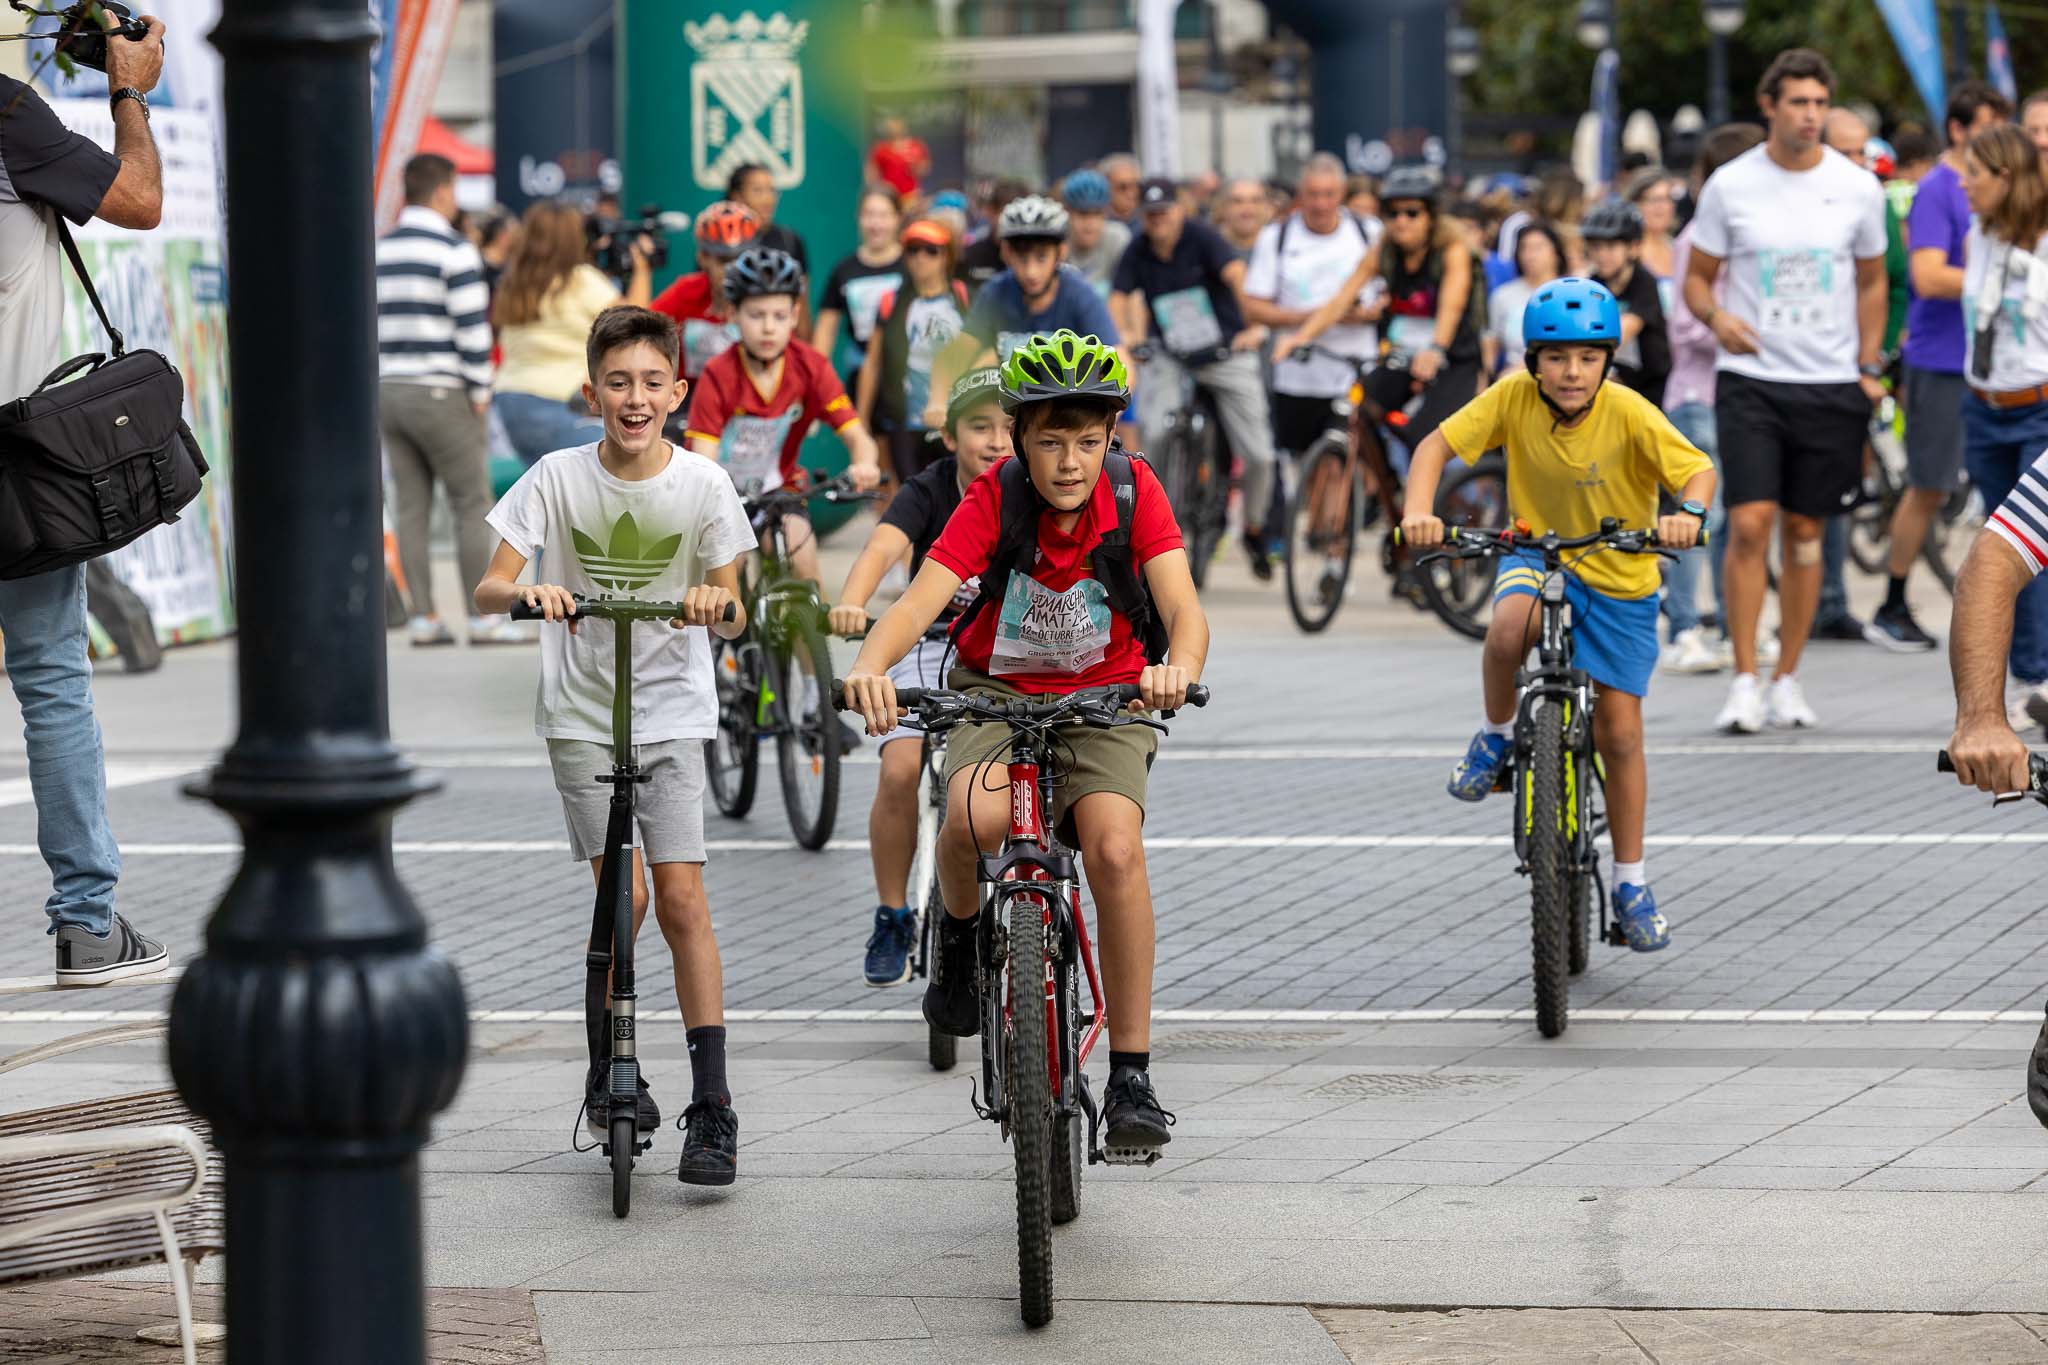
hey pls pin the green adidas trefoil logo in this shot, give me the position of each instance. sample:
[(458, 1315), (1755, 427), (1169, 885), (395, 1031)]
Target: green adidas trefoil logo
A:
[(629, 563)]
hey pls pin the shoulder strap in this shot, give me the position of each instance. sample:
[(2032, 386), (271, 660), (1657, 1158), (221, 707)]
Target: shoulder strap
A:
[(1114, 567), (84, 279), (960, 292), (1359, 223), (1280, 242)]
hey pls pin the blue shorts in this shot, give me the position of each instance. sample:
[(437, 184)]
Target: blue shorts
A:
[(1614, 639)]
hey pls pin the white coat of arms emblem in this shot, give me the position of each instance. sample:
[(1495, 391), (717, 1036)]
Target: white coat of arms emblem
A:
[(746, 98)]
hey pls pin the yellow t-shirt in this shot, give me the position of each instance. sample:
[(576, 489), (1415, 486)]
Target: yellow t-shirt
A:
[(1567, 478), (546, 356)]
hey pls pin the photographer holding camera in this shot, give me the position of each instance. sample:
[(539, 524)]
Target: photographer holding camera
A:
[(46, 169)]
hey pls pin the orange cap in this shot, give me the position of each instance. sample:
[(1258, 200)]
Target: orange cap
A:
[(926, 231)]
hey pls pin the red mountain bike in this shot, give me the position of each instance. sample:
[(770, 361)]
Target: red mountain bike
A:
[(1033, 950)]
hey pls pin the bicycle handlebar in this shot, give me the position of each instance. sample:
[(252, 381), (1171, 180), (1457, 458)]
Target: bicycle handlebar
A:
[(2037, 779), (1072, 706), (823, 485), (618, 609), (1472, 541)]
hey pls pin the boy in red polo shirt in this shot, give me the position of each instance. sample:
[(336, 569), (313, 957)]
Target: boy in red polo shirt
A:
[(756, 402), (1054, 633)]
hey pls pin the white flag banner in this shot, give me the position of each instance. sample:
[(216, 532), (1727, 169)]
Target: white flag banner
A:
[(1158, 89)]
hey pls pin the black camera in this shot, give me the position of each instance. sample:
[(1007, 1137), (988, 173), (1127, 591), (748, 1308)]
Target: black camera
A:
[(611, 239), (79, 36)]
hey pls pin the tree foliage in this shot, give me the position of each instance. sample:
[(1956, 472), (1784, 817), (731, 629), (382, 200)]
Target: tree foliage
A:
[(1532, 61)]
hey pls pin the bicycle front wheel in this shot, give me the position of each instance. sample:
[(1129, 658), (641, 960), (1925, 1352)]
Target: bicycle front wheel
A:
[(1322, 535), (1460, 591), (732, 760), (1069, 1139), (807, 743), (1028, 1101), (1550, 867), (625, 1137)]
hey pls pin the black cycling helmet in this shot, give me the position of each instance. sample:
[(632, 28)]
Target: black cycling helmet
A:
[(1410, 182), (1612, 220), (762, 270)]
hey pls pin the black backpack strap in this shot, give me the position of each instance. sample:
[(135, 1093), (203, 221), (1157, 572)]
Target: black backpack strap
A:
[(1017, 534), (84, 279), (1115, 567)]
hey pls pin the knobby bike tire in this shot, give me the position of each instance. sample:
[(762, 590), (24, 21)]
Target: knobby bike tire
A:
[(1579, 890), (942, 1050), (810, 740), (1208, 494), (1549, 866), (1460, 591), (1029, 1103), (1316, 575), (1069, 1141), (732, 758), (2037, 1077), (625, 1137)]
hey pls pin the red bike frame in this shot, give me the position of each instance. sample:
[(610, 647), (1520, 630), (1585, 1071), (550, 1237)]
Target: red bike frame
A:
[(1027, 825)]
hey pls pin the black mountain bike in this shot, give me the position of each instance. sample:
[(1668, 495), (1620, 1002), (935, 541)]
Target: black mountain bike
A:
[(771, 680), (1552, 767), (1033, 950), (1346, 484), (1193, 461), (609, 1021), (2037, 1061)]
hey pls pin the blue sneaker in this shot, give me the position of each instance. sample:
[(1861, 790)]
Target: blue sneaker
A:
[(888, 961), (1475, 774), (1635, 909)]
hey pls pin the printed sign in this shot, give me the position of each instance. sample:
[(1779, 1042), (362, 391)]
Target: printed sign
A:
[(747, 98)]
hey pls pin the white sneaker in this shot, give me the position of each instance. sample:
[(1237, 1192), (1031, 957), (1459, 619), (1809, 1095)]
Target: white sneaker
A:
[(500, 630), (2025, 706), (1766, 651), (1786, 704), (428, 630), (1689, 652), (1744, 713)]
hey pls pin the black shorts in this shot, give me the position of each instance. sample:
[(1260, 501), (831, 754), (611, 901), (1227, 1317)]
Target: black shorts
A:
[(1797, 445), (1299, 422)]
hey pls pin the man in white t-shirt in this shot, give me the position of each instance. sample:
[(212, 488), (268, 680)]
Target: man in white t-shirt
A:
[(634, 516), (1298, 263), (1799, 327)]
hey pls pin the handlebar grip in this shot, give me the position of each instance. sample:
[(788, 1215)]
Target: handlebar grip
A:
[(522, 612), (1943, 763), (1198, 695), (732, 612)]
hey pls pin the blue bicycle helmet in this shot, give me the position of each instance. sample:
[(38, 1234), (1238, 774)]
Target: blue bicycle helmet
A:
[(1571, 311), (1085, 191)]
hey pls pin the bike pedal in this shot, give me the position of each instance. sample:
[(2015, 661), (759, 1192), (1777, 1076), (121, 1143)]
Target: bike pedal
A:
[(1130, 1156)]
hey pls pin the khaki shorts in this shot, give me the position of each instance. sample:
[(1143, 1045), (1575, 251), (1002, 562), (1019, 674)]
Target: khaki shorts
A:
[(1118, 760)]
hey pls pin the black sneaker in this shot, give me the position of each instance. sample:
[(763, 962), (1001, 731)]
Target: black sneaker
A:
[(1132, 1113), (1261, 559), (597, 1102), (1843, 627), (952, 1000), (711, 1144), (1898, 632), (86, 959)]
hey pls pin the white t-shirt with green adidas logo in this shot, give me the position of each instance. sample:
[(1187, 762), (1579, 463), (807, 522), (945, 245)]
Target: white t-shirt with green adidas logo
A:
[(601, 536)]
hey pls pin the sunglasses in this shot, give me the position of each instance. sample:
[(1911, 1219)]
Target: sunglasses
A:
[(922, 249), (1408, 211)]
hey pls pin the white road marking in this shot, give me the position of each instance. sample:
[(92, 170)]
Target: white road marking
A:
[(1969, 838), (1388, 1016), (15, 791)]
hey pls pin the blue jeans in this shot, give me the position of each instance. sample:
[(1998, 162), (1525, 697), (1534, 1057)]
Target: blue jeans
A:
[(538, 425), (1695, 422), (1999, 444), (43, 620), (1834, 555)]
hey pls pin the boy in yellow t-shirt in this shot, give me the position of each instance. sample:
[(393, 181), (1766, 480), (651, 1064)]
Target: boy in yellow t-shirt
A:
[(1579, 450)]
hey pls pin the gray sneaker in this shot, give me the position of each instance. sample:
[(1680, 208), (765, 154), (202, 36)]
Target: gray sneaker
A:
[(86, 959)]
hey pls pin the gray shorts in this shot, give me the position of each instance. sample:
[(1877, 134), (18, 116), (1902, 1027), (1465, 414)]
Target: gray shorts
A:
[(668, 807), (1934, 428)]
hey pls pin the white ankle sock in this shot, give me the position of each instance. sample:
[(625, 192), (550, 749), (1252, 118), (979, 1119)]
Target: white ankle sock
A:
[(1629, 874), (1503, 729)]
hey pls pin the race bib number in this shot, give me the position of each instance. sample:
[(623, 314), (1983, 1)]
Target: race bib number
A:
[(1041, 631), (751, 449), (704, 341), (1410, 334), (1187, 321), (864, 301), (1797, 288)]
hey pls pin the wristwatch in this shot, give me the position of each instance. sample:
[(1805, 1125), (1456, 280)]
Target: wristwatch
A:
[(1871, 371), (129, 92), (1693, 509)]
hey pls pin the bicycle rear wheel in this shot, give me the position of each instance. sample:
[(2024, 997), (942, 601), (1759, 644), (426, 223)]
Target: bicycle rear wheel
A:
[(1460, 591), (1028, 1097), (1208, 492), (732, 759), (625, 1137), (807, 745), (1949, 536), (1549, 867), (1322, 535)]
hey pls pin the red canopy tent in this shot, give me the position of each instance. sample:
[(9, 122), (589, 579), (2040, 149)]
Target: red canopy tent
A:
[(469, 158)]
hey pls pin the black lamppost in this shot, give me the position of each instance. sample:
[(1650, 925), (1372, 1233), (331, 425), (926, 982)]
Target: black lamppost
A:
[(1461, 59), (1723, 18), (318, 1033)]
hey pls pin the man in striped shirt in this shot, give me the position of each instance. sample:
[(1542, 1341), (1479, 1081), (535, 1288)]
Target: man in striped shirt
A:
[(434, 364), (2001, 565)]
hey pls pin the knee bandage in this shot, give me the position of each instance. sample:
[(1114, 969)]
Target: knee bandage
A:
[(1806, 552)]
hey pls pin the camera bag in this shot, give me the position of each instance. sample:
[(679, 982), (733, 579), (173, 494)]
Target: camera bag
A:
[(88, 465)]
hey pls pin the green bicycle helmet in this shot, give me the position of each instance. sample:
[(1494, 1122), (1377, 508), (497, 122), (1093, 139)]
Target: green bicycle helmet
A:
[(1055, 365)]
